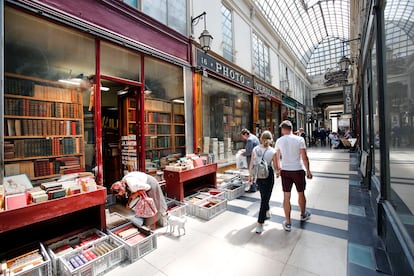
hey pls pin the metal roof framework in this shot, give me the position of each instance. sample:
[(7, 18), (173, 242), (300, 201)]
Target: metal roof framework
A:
[(314, 30)]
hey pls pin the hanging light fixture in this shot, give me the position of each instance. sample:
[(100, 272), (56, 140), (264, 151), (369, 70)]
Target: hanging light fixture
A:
[(344, 63), (205, 37)]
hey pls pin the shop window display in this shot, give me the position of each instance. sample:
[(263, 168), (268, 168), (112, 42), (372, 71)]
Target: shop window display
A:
[(400, 100), (164, 113), (226, 111), (48, 128)]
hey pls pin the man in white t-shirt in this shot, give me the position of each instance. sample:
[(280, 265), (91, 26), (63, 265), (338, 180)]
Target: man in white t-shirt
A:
[(290, 150)]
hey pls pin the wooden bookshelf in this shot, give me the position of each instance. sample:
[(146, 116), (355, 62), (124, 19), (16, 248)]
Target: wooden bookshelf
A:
[(158, 129), (43, 121), (178, 127)]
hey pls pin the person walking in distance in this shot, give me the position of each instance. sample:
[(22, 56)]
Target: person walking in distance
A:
[(290, 149), (251, 142), (266, 152)]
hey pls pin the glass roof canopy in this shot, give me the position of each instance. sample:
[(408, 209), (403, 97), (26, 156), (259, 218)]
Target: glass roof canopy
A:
[(315, 30)]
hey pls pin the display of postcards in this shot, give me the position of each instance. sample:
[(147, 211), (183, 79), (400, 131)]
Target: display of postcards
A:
[(16, 184)]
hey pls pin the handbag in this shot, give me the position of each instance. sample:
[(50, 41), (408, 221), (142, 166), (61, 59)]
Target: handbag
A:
[(261, 170), (145, 207)]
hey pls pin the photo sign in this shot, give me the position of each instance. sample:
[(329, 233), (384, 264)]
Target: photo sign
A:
[(208, 62)]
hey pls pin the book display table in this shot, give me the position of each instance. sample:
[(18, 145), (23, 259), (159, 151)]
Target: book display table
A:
[(181, 184), (52, 218)]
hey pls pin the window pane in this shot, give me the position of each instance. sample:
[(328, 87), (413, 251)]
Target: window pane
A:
[(400, 97), (156, 9), (226, 111), (177, 15), (227, 29), (120, 62), (53, 73)]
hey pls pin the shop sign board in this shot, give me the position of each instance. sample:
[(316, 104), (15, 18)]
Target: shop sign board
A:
[(348, 102), (300, 108), (223, 69), (267, 91), (288, 101)]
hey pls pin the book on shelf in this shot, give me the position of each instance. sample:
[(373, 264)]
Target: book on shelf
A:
[(9, 150), (17, 86), (38, 108)]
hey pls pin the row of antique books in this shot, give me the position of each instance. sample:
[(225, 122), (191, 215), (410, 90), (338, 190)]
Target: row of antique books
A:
[(22, 148), (17, 127), (35, 108), (43, 167), (155, 117)]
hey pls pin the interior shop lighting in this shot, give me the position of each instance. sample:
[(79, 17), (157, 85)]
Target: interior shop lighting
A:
[(147, 90), (104, 88), (205, 37), (73, 81), (179, 100)]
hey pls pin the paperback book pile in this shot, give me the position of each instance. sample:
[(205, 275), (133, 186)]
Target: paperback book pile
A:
[(138, 241), (53, 189)]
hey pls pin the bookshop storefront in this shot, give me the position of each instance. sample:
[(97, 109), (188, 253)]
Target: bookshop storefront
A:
[(289, 111), (266, 108), (224, 100), (76, 100)]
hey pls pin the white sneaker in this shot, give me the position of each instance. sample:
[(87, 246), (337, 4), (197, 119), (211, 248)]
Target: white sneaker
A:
[(286, 226), (259, 229), (306, 216)]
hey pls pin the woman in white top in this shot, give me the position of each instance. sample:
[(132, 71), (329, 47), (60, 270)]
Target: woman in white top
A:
[(267, 152)]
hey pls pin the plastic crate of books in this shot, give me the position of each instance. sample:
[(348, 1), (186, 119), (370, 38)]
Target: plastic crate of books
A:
[(213, 192), (138, 241), (34, 262), (235, 190), (210, 207), (61, 246), (192, 200), (244, 175), (176, 208), (114, 220), (93, 259)]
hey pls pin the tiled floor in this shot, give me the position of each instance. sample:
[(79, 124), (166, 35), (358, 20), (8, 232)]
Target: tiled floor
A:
[(228, 244)]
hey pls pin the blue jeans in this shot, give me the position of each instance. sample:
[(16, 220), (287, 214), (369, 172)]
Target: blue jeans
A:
[(265, 188)]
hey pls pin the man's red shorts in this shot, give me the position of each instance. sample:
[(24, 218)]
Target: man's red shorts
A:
[(290, 177)]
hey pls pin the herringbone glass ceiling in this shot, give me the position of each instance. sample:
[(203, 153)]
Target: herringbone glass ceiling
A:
[(313, 29)]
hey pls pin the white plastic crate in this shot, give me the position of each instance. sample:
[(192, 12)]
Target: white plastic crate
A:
[(73, 241), (108, 253), (192, 200), (176, 208), (141, 246), (42, 269), (213, 192), (210, 207), (234, 191)]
